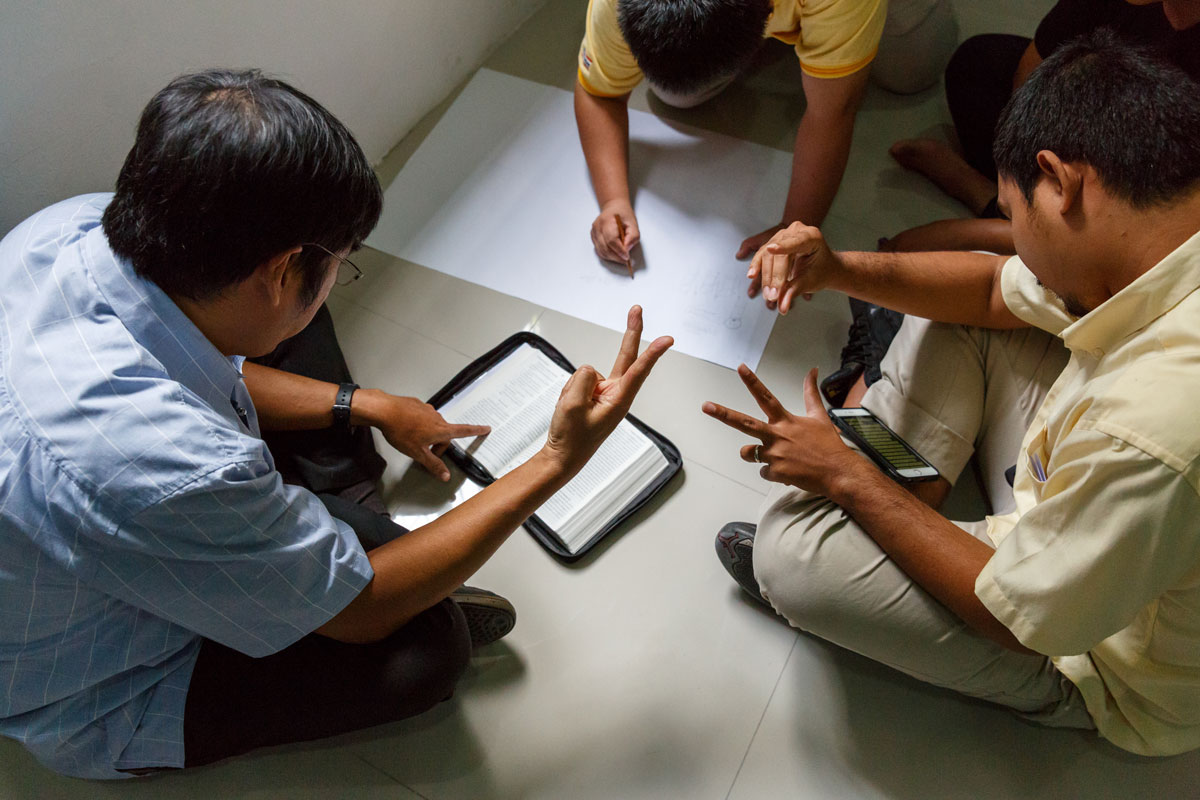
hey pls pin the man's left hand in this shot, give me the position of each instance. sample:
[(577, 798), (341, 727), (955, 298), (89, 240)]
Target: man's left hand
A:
[(802, 451)]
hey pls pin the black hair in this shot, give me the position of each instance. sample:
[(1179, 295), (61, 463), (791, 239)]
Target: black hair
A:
[(229, 169), (682, 45), (1116, 107)]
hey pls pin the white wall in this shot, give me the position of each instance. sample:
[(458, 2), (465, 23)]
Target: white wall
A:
[(75, 74)]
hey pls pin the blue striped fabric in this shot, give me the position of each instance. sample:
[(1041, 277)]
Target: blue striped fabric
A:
[(138, 512)]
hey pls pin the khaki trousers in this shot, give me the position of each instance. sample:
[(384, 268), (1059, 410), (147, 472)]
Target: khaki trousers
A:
[(954, 393)]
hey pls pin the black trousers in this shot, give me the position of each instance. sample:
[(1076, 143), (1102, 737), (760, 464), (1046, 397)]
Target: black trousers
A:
[(329, 459), (978, 85), (319, 687)]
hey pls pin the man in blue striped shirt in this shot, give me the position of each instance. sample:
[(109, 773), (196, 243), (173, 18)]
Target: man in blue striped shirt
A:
[(165, 599)]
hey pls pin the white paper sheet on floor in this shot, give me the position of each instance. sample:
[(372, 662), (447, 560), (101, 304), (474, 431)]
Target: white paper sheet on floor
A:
[(498, 194)]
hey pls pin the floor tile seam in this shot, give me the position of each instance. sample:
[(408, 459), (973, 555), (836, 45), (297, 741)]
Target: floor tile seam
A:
[(408, 328), (763, 715), (389, 776), (471, 356), (731, 479)]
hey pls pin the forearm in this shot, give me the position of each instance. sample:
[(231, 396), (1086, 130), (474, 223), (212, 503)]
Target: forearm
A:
[(417, 570), (953, 287), (285, 401), (822, 145), (938, 555), (819, 160), (603, 124)]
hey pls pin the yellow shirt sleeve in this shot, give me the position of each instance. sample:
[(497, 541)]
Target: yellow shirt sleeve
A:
[(836, 37), (607, 68)]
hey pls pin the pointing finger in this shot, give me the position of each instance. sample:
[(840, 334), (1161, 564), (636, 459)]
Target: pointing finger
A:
[(737, 420), (466, 431), (629, 343), (767, 401)]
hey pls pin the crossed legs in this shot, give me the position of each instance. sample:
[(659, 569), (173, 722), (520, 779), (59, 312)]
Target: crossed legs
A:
[(954, 393)]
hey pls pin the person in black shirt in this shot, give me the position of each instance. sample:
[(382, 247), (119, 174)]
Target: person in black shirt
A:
[(986, 69), (980, 78)]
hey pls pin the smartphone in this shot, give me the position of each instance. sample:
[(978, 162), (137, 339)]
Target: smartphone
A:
[(893, 455)]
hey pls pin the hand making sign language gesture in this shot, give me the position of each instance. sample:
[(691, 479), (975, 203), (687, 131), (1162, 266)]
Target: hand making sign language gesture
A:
[(591, 406), (795, 261), (802, 451)]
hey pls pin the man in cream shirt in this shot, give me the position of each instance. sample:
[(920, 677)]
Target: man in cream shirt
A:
[(1077, 602)]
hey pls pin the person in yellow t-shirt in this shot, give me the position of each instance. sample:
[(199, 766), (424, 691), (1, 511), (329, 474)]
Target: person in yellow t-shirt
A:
[(690, 51)]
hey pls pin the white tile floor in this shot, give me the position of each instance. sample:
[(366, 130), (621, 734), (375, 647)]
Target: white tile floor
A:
[(642, 671)]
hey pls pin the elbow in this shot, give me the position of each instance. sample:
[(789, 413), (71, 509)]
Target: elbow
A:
[(355, 633), (1010, 642), (364, 620), (833, 124), (1053, 641), (836, 115)]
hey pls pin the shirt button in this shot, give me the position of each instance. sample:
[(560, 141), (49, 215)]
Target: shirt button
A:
[(1097, 352)]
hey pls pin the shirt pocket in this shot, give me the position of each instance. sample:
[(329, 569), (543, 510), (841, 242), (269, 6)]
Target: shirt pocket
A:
[(1036, 458)]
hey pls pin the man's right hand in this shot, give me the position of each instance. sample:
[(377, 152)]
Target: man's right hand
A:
[(795, 261), (606, 231), (591, 406)]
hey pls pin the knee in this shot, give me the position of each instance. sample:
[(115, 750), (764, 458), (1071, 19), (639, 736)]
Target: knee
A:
[(971, 68), (800, 581), (449, 646), (437, 652), (916, 44), (370, 527)]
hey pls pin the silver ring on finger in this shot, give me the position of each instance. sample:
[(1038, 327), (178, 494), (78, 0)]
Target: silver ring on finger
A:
[(758, 453)]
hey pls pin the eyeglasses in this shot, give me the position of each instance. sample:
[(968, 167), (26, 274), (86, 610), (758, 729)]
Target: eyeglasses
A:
[(348, 272)]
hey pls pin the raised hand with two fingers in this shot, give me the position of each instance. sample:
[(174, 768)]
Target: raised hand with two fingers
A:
[(591, 405), (805, 451)]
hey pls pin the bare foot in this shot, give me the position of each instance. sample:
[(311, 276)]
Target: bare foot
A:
[(937, 161)]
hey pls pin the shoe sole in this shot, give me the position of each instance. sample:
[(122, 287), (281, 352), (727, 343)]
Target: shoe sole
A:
[(735, 551), (488, 619)]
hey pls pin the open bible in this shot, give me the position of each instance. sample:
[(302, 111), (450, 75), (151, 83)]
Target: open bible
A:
[(514, 389)]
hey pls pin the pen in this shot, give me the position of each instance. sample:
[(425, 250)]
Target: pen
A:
[(621, 233), (1038, 470)]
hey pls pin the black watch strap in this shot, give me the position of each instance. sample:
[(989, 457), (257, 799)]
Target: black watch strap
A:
[(341, 405)]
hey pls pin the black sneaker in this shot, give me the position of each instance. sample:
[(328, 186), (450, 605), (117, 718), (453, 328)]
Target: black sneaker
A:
[(489, 616), (872, 329), (735, 550), (882, 326), (853, 359)]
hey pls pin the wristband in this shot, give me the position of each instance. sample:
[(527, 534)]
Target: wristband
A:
[(341, 406)]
